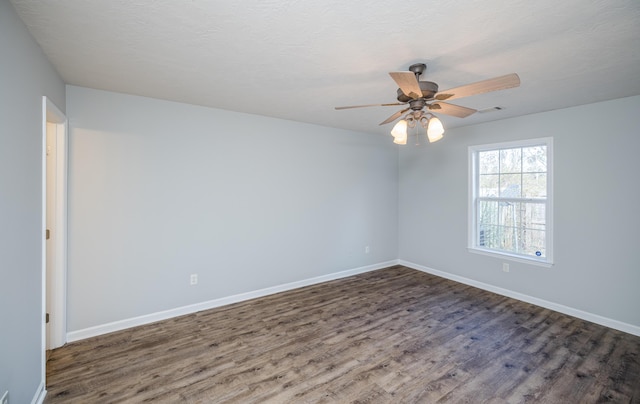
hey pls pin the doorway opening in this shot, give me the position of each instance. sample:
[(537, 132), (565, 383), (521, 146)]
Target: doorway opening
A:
[(54, 213)]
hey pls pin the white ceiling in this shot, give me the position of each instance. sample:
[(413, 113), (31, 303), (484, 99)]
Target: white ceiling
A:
[(299, 59)]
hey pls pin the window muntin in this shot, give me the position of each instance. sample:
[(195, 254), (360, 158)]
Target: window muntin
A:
[(510, 204)]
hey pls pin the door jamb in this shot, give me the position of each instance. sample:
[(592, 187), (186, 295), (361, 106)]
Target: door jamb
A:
[(51, 113)]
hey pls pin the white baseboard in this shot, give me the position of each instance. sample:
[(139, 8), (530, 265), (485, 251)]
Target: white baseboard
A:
[(38, 398), (594, 318), (180, 311)]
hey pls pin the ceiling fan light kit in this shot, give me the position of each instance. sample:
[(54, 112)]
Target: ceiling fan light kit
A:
[(399, 132), (429, 122), (423, 96), (435, 130)]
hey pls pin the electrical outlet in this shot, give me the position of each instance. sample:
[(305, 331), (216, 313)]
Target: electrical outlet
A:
[(193, 280), (367, 250), (505, 267), (5, 398)]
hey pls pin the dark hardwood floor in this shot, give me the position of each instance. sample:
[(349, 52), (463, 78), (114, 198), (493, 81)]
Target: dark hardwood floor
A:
[(394, 335)]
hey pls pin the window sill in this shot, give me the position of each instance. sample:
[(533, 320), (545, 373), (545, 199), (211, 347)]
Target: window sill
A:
[(510, 257)]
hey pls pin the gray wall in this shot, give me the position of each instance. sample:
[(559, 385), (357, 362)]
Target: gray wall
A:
[(159, 190), (25, 76), (597, 224)]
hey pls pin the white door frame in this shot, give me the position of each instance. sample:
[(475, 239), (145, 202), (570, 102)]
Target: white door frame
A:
[(58, 309)]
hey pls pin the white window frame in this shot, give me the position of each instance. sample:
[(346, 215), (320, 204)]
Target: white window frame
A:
[(473, 236)]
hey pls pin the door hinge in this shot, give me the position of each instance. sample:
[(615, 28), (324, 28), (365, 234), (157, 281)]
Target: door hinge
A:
[(47, 234), (46, 318)]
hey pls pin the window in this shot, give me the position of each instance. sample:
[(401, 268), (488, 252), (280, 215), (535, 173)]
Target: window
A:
[(510, 204)]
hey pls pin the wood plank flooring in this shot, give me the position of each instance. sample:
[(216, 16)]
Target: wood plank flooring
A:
[(394, 335)]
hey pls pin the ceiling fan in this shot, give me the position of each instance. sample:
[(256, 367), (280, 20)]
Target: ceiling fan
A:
[(422, 97)]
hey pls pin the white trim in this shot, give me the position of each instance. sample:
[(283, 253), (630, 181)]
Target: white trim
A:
[(510, 257), (43, 252), (58, 327), (512, 144), (594, 318), (180, 311), (38, 398), (550, 192), (51, 113)]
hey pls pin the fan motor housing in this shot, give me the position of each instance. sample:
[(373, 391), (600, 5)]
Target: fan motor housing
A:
[(429, 90)]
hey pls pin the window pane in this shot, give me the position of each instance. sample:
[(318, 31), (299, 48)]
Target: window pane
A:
[(534, 216), (509, 238), (533, 243), (488, 162), (489, 237), (510, 160), (509, 214), (534, 185), (534, 159), (514, 227), (510, 185), (489, 185), (488, 212), (487, 220)]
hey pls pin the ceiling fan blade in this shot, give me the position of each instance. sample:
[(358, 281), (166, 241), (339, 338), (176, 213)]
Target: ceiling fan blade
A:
[(451, 109), (408, 83), (371, 105), (394, 116), (480, 87)]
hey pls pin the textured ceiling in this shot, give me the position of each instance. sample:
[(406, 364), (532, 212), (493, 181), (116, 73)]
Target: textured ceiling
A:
[(299, 59)]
